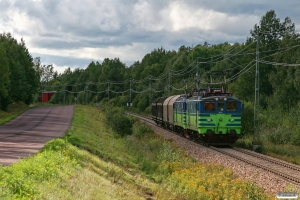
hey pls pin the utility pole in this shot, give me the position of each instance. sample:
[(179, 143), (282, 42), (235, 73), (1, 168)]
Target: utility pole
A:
[(130, 91), (129, 104), (169, 83), (256, 96), (149, 91), (65, 91), (86, 91), (197, 78), (108, 89), (185, 84)]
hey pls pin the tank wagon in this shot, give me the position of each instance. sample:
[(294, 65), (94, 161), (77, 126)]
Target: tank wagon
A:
[(211, 115)]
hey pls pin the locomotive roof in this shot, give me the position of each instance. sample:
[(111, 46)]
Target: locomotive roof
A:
[(199, 98), (203, 94)]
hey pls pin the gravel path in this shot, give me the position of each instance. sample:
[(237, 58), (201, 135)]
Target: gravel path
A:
[(264, 179), (28, 133)]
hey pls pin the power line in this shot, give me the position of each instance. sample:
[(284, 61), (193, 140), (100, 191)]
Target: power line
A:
[(281, 64)]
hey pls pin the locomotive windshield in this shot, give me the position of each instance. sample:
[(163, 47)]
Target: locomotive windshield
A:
[(231, 106), (209, 106), (221, 106)]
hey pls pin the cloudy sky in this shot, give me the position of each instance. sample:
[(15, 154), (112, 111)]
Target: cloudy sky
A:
[(72, 33)]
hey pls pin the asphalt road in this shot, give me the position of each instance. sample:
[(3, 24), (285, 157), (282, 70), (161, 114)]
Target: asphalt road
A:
[(29, 132)]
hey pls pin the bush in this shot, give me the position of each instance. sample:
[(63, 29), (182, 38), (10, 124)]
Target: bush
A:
[(247, 118), (118, 121), (119, 101), (279, 135), (139, 129), (23, 179), (142, 104), (121, 124), (295, 138), (148, 110)]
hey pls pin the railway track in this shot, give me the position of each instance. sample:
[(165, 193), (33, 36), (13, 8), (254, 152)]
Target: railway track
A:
[(285, 170), (147, 119)]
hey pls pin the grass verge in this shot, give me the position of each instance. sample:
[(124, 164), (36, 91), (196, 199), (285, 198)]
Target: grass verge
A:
[(13, 110)]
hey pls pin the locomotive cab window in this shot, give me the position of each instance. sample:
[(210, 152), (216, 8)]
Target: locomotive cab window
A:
[(209, 106), (231, 106)]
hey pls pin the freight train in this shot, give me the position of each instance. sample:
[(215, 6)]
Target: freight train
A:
[(211, 116)]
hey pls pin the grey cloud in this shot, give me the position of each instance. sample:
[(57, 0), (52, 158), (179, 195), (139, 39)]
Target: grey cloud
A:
[(62, 44), (99, 24), (64, 61), (71, 62)]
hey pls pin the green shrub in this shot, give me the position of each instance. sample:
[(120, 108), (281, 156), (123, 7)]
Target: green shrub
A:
[(109, 115), (142, 104), (22, 180), (139, 129), (148, 109), (118, 121), (295, 138), (121, 124), (279, 135), (247, 118)]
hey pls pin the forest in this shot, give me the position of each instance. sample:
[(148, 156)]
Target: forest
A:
[(273, 45), (19, 80)]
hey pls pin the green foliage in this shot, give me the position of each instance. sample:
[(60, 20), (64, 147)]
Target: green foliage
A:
[(22, 180), (280, 126), (278, 135), (139, 129), (295, 138), (18, 78), (118, 121), (119, 101), (4, 73), (121, 124), (247, 118), (142, 104), (13, 110), (148, 110)]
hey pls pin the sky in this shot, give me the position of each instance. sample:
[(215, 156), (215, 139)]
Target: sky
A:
[(73, 33)]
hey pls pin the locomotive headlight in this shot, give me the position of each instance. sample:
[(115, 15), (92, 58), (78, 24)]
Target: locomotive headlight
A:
[(225, 99), (232, 120), (216, 99)]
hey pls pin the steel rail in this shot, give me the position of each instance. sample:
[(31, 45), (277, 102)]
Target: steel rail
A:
[(286, 173)]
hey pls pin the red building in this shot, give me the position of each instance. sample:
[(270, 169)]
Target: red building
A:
[(46, 96)]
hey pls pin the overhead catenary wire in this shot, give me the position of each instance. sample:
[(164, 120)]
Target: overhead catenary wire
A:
[(187, 71), (281, 64)]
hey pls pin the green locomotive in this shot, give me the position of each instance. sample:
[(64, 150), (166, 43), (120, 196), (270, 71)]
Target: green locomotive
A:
[(208, 115)]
